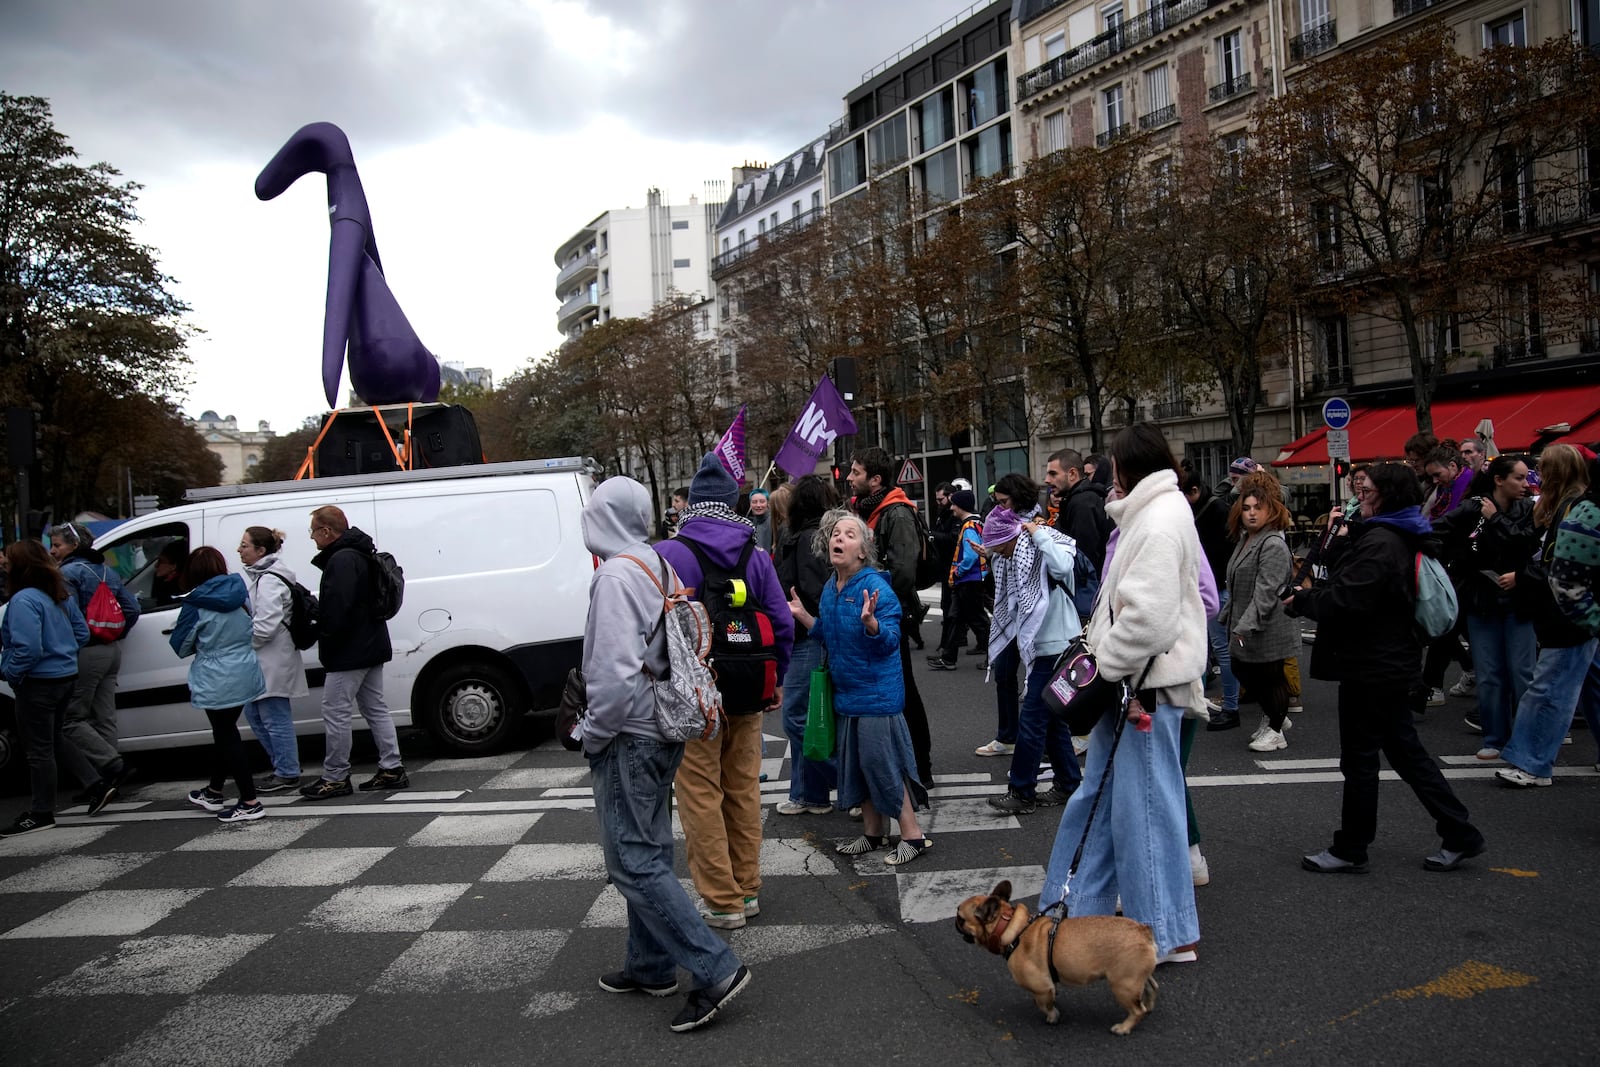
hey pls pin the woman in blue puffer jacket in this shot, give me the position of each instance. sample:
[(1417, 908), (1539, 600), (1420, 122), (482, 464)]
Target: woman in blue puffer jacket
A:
[(214, 626), (858, 621)]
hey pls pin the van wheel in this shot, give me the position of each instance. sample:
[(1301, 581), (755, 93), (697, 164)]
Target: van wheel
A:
[(469, 707)]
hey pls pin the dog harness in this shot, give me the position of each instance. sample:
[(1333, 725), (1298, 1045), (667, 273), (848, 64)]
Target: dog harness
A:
[(1005, 951)]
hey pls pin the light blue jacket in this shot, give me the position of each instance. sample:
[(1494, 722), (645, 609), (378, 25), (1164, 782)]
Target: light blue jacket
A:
[(214, 626), (1061, 623), (865, 670), (40, 638)]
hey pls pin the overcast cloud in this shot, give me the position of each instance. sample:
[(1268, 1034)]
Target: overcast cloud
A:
[(486, 132)]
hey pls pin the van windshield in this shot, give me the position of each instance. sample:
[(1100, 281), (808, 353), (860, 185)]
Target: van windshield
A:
[(150, 563)]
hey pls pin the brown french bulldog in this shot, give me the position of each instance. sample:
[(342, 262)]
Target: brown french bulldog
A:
[(1089, 948)]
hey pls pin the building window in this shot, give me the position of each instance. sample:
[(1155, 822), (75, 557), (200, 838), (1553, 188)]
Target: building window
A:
[(605, 281), (761, 227), (604, 244), (886, 142), (984, 93), (1158, 106), (725, 244), (1514, 178), (1233, 149), (680, 224), (1210, 460), (847, 165), (989, 153), (940, 176), (680, 264), (1333, 351), (1055, 131), (794, 210), (1449, 328), (1111, 18), (1111, 100), (1230, 58), (816, 199), (741, 237), (1313, 13), (1055, 45), (936, 121), (774, 220), (1325, 235), (1509, 31)]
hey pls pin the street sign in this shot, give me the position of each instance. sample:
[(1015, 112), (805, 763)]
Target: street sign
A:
[(1336, 413), (909, 475), (1338, 444)]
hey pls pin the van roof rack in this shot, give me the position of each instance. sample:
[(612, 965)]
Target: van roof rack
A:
[(574, 464)]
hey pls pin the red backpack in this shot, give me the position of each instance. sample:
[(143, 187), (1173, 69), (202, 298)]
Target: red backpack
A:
[(104, 614)]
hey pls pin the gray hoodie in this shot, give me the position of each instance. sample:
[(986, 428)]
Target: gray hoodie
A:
[(624, 607)]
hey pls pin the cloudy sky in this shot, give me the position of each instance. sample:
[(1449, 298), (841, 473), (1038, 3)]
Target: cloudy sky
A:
[(486, 131)]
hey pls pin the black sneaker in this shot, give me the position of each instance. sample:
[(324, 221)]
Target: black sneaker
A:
[(323, 789), (1473, 722), (1054, 797), (703, 1004), (941, 665), (622, 982), (100, 795), (391, 778), (1014, 803), (273, 783), (28, 822)]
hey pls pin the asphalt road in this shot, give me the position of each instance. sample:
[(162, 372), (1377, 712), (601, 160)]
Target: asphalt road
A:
[(465, 921)]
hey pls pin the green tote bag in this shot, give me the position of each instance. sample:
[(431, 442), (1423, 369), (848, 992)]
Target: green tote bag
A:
[(820, 732)]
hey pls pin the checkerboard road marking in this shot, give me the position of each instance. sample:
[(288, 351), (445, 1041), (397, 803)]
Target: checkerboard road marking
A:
[(932, 896), (74, 874), (107, 913), (471, 960), (372, 909), (527, 863), (174, 963), (475, 829), (258, 1030), (266, 835), (311, 866)]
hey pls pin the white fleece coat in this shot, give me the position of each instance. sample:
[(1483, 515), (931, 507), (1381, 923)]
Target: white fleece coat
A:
[(1150, 601)]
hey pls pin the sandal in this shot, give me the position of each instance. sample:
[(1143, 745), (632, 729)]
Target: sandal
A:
[(906, 851), (863, 844)]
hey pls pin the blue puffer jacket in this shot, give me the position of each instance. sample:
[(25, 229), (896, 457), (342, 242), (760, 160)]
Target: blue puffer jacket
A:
[(214, 626), (84, 570), (40, 638), (865, 670)]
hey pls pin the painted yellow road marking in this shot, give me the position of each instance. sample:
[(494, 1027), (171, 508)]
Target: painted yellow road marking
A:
[(1513, 872)]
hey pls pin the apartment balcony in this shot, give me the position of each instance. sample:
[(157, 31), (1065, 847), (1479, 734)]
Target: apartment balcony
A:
[(1328, 379), (725, 260), (574, 309), (1231, 88), (587, 263), (1159, 117), (1135, 31), (1172, 409), (1313, 41), (1113, 135), (1526, 350)]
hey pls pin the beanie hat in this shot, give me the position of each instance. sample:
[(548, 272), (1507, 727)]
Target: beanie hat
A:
[(963, 499), (1000, 527), (712, 482), (1243, 465)]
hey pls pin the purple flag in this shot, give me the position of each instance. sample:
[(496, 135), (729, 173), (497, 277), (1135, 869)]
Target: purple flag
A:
[(826, 416), (730, 448)]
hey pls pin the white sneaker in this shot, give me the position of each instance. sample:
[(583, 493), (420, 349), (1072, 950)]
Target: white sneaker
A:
[(1270, 741), (790, 807), (1080, 744), (1466, 685), (995, 748), (1200, 870), (1294, 709), (1487, 753), (1436, 698), (1262, 728), (1518, 777)]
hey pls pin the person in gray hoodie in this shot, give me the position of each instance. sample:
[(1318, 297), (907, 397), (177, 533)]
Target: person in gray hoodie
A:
[(633, 766)]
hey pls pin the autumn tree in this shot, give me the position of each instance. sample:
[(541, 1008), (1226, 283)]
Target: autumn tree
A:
[(1423, 176)]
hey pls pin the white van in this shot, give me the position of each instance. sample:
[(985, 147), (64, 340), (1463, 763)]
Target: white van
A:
[(497, 589)]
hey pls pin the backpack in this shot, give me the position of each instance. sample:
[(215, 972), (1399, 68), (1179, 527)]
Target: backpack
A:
[(301, 619), (391, 586), (930, 570), (744, 644), (1085, 584), (688, 705), (104, 613), (1436, 608)]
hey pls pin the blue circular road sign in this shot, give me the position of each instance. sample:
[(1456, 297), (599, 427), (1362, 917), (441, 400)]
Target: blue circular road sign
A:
[(1336, 412)]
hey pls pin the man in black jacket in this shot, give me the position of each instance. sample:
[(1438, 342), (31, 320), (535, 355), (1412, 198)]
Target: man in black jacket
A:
[(1082, 505), (353, 645)]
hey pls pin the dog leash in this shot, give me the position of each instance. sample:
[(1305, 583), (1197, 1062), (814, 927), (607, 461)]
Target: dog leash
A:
[(1105, 778)]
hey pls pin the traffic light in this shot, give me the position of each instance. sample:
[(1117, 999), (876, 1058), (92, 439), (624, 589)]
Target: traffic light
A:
[(1341, 469)]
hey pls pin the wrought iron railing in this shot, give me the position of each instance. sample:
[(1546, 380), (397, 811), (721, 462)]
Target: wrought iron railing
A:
[(1111, 136), (1525, 350), (1235, 86), (1136, 30), (1402, 8), (1159, 117), (1315, 40), (1173, 409), (783, 229)]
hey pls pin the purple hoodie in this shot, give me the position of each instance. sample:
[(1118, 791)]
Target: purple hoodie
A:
[(723, 541)]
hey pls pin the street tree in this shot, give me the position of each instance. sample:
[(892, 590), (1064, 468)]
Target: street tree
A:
[(1424, 178)]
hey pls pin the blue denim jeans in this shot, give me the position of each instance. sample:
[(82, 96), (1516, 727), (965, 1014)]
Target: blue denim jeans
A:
[(1545, 714), (632, 778), (272, 721), (1138, 846), (1589, 703), (1004, 667), (1503, 650), (810, 781), (1218, 634), (1039, 732)]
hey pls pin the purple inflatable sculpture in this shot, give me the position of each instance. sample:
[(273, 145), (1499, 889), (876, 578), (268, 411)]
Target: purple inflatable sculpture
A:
[(388, 362)]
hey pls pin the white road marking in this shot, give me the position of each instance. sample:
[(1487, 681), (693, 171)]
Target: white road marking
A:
[(932, 896), (173, 963), (249, 1030), (64, 838), (477, 961), (74, 874), (311, 866), (476, 829), (107, 913), (471, 763), (555, 860), (765, 942), (263, 834), (373, 909), (410, 795), (546, 1005), (538, 778)]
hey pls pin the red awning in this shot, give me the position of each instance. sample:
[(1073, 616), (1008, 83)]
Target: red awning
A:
[(1521, 422)]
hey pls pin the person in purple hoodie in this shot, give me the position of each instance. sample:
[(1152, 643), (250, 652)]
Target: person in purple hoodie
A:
[(719, 782)]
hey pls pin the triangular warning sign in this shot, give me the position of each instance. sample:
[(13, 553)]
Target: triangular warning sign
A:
[(909, 473)]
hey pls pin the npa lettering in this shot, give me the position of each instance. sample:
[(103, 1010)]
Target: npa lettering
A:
[(814, 428)]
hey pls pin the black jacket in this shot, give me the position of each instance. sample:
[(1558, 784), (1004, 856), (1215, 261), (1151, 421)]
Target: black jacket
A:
[(1211, 524), (1364, 614), (946, 531), (1503, 543), (1083, 518), (802, 568), (351, 636)]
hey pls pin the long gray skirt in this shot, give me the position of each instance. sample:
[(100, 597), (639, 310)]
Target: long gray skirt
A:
[(876, 763)]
